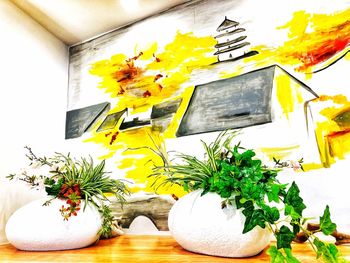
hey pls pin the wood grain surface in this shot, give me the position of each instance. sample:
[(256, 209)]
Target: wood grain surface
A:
[(141, 249)]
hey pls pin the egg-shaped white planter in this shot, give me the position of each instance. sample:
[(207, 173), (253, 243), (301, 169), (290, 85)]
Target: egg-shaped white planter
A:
[(36, 227), (199, 224), (14, 195)]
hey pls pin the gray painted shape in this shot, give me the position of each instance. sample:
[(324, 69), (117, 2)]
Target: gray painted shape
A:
[(134, 124), (236, 102), (165, 108), (162, 123), (111, 121), (163, 113), (80, 120)]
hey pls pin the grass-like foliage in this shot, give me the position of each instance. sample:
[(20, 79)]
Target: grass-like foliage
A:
[(74, 180), (93, 181), (243, 181)]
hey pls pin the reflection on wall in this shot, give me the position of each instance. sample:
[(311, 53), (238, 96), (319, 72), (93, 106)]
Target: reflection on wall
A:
[(205, 72)]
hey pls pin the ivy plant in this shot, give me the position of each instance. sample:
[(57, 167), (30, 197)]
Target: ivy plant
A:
[(243, 181)]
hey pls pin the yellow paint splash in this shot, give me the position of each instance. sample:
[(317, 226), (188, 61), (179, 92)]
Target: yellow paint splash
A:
[(333, 139), (297, 25), (288, 92), (285, 93), (173, 126), (279, 152), (152, 76), (312, 166)]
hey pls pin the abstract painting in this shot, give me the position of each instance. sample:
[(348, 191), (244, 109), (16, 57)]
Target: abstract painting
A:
[(206, 66)]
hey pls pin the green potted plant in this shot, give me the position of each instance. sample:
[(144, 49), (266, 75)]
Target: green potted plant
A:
[(75, 214), (235, 202)]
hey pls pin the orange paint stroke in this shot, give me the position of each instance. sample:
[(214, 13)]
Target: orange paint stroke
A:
[(313, 39)]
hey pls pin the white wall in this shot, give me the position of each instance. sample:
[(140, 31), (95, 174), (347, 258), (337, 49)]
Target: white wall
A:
[(33, 83), (319, 187), (33, 91)]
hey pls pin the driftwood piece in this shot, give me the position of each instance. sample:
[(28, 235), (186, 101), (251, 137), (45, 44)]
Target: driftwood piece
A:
[(340, 238), (154, 207)]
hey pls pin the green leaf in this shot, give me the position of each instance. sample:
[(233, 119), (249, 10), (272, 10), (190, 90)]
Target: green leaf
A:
[(276, 255), (296, 227), (273, 194), (52, 187), (251, 190), (328, 252), (185, 186), (271, 214), (254, 217), (242, 202), (326, 224), (289, 210), (294, 200), (10, 176), (284, 237), (289, 256)]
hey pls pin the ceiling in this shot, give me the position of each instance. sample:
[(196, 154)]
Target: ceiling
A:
[(74, 21)]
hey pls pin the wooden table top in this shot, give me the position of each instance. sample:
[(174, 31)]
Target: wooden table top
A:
[(141, 249)]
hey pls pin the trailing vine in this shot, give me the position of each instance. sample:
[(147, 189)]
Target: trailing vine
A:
[(243, 181)]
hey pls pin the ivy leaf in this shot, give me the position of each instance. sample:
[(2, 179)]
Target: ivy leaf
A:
[(273, 194), (284, 237), (276, 255), (271, 213), (296, 227), (289, 210), (242, 202), (238, 202), (328, 252), (254, 217), (289, 256), (251, 190), (326, 224), (294, 200)]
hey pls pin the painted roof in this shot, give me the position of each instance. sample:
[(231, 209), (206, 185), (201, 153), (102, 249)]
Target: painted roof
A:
[(226, 24)]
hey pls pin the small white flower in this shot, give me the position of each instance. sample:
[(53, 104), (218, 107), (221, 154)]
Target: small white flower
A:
[(295, 165)]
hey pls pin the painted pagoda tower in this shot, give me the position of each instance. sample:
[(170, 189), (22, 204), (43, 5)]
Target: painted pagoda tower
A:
[(232, 44)]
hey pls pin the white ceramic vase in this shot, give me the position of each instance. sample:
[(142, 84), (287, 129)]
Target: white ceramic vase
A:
[(199, 224), (35, 227), (14, 195)]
